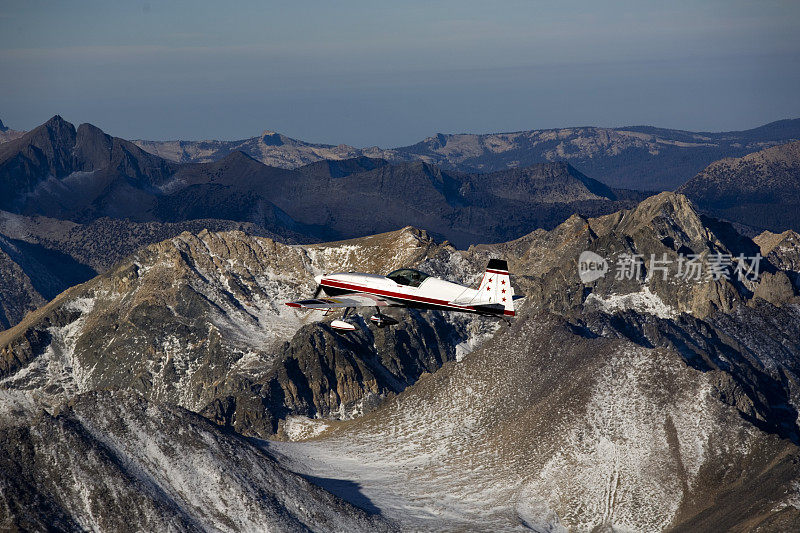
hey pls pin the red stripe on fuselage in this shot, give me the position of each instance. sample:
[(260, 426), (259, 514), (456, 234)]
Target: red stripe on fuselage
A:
[(504, 272), (399, 295)]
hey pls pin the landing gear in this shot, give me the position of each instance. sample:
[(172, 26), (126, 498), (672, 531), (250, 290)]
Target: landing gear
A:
[(379, 319), (382, 320)]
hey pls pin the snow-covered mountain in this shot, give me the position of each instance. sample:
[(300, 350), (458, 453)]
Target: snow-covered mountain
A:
[(199, 321), (43, 256), (113, 461), (557, 426), (635, 403)]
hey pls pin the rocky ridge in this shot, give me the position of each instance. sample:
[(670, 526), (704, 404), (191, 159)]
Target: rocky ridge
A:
[(115, 461), (760, 190), (44, 256), (199, 321)]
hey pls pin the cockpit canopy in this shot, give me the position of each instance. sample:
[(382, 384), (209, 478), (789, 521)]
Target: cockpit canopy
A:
[(408, 276)]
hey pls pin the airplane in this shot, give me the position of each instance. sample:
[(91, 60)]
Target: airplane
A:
[(411, 288)]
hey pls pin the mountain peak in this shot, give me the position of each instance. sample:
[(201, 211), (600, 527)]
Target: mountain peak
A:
[(667, 213), (3, 127), (768, 240), (271, 138), (667, 200), (90, 128), (57, 121)]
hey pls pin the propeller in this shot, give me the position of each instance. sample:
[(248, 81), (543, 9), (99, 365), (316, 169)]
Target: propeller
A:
[(316, 292)]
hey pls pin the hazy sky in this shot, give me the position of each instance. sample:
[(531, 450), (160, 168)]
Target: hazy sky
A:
[(390, 74)]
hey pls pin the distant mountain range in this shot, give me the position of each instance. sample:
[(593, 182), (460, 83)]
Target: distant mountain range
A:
[(632, 157), (82, 175), (635, 157), (760, 190)]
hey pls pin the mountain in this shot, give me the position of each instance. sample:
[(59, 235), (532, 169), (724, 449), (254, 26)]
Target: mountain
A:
[(462, 208), (272, 149), (76, 201), (7, 134), (634, 403), (114, 461), (201, 323), (31, 275), (553, 427), (618, 404), (783, 251), (83, 175), (760, 190), (632, 157), (43, 257)]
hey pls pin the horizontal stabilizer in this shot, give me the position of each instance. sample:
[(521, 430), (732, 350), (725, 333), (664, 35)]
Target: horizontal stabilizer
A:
[(495, 309)]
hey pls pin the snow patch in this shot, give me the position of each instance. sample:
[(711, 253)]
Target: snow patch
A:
[(302, 428), (644, 301), (479, 332)]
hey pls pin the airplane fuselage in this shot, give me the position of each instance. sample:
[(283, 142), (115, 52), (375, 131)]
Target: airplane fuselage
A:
[(431, 293)]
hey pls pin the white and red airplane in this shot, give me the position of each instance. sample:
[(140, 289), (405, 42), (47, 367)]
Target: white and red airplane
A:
[(411, 288)]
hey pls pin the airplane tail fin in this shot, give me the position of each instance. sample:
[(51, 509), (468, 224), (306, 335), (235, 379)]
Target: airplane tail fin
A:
[(495, 287)]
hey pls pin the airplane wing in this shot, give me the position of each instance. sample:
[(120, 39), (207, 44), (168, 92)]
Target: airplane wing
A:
[(355, 299)]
